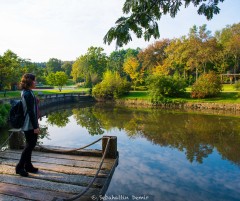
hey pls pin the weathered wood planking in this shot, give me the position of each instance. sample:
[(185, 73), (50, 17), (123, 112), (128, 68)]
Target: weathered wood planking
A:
[(60, 175)]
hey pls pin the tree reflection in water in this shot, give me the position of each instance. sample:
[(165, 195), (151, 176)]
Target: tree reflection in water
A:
[(195, 134)]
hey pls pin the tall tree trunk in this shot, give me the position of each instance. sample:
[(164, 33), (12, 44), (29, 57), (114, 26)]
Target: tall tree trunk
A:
[(196, 74)]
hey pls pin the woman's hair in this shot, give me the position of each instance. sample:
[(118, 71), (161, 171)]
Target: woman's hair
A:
[(27, 81)]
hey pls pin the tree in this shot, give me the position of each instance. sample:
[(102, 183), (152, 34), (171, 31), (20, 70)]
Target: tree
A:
[(54, 65), (176, 56), (30, 67), (59, 79), (67, 67), (10, 70), (132, 67), (87, 66), (116, 60), (153, 55), (229, 38), (59, 118), (142, 17), (79, 68), (111, 87)]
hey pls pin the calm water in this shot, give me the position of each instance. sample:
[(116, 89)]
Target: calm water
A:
[(164, 155)]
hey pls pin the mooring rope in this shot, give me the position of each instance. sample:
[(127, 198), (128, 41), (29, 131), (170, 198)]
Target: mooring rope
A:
[(69, 150), (91, 183), (6, 141)]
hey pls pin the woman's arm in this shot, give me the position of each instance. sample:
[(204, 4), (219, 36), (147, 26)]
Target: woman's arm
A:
[(30, 102)]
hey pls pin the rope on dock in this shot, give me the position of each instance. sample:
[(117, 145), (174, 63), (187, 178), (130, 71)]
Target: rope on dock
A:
[(69, 150), (6, 141), (91, 183)]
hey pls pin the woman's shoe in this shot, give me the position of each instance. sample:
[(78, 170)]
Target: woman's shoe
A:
[(30, 168), (22, 172)]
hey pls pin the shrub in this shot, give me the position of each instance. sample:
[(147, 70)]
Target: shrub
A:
[(4, 112), (111, 87), (207, 85), (161, 86)]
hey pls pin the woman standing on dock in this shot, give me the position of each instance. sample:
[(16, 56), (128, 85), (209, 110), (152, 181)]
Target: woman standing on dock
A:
[(30, 126)]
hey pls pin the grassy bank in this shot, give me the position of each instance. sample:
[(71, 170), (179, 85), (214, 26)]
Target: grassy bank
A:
[(228, 95), (17, 94)]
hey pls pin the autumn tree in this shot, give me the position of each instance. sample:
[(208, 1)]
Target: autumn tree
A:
[(229, 38), (199, 49), (176, 56), (153, 55), (132, 67)]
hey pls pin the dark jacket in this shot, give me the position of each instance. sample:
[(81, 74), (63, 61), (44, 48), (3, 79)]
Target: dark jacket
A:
[(30, 109)]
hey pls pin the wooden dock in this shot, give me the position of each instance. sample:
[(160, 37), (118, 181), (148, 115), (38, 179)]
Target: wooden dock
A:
[(61, 176)]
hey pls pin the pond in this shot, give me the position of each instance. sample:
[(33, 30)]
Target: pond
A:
[(163, 155)]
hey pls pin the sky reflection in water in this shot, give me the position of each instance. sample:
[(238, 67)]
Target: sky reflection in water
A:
[(171, 156)]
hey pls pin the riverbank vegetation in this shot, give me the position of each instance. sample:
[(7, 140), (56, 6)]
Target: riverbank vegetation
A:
[(166, 69), (4, 111)]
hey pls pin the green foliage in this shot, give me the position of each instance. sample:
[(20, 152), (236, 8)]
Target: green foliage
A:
[(87, 66), (67, 67), (59, 79), (4, 112), (54, 65), (87, 119), (10, 70), (161, 87), (207, 85), (111, 87), (59, 118), (143, 16), (237, 85)]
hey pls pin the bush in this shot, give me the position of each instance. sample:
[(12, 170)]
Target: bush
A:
[(161, 86), (207, 85), (111, 87), (4, 112)]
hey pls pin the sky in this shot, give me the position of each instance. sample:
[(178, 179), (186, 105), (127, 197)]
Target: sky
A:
[(64, 29)]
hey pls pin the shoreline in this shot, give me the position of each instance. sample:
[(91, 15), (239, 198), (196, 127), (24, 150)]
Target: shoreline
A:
[(200, 107)]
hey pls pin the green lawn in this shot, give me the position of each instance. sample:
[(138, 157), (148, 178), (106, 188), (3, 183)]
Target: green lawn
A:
[(228, 95), (17, 94)]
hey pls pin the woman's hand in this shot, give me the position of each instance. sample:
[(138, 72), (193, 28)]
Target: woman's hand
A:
[(37, 131)]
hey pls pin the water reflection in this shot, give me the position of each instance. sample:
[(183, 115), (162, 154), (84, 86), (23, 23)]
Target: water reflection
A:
[(194, 134), (169, 155)]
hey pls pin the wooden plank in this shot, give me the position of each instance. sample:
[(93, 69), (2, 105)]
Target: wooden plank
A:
[(45, 185), (60, 168), (83, 152), (22, 192), (59, 161), (11, 198), (63, 156), (108, 180), (57, 177)]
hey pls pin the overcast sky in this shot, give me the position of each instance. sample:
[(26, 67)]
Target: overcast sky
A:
[(65, 29)]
